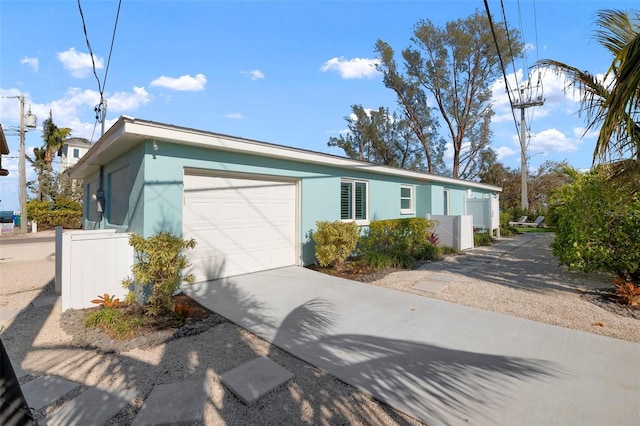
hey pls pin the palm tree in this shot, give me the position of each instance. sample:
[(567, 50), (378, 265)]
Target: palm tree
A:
[(54, 138), (614, 101), (39, 165)]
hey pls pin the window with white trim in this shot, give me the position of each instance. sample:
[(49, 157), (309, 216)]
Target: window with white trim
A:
[(354, 203), (406, 199), (76, 153)]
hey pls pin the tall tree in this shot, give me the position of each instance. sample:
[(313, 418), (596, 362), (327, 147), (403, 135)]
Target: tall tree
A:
[(548, 178), (40, 167), (379, 136), (613, 102), (457, 65), (54, 138), (413, 102)]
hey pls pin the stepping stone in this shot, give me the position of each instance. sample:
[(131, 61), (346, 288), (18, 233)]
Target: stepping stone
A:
[(44, 390), (8, 314), (441, 277), (174, 403), (430, 287), (252, 380), (473, 259), (45, 301), (95, 406)]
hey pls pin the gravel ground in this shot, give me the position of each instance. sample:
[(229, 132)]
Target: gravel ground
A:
[(524, 281)]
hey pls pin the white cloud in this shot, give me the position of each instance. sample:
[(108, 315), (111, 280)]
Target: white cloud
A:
[(579, 132), (123, 101), (366, 111), (79, 63), (504, 151), (185, 83), (254, 74), (553, 140), (235, 115), (352, 68), (31, 63)]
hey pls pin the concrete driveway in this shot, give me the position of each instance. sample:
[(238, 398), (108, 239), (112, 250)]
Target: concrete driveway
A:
[(438, 362)]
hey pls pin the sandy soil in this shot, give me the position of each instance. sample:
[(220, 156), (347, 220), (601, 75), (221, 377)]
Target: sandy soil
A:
[(520, 277)]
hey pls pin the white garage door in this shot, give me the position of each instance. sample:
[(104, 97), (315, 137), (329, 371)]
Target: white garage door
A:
[(240, 225)]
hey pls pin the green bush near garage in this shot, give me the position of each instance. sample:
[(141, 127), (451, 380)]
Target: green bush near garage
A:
[(335, 242), (397, 242)]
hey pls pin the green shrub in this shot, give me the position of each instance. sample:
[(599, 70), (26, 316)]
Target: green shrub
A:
[(377, 260), (67, 204), (103, 317), (66, 213), (482, 239), (429, 252), (160, 260), (447, 250), (597, 225), (335, 241), (397, 235), (401, 240)]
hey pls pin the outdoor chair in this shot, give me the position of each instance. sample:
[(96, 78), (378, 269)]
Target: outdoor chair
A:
[(536, 223), (520, 221)]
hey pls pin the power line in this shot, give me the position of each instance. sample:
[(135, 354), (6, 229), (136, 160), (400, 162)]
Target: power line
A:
[(535, 28), (113, 37), (506, 30), (524, 46), (100, 112), (504, 72)]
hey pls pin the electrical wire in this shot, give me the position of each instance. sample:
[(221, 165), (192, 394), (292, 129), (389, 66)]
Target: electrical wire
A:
[(535, 29), (86, 37), (524, 54), (506, 29), (504, 72), (100, 114), (113, 37)]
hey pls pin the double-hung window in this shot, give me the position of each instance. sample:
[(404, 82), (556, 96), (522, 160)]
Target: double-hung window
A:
[(406, 199), (354, 200)]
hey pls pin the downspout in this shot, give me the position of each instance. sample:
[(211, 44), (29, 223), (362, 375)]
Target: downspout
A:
[(100, 204)]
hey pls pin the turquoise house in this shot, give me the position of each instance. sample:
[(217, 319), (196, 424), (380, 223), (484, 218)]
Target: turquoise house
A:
[(250, 205)]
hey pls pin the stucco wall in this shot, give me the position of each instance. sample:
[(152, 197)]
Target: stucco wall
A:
[(144, 189), (319, 187)]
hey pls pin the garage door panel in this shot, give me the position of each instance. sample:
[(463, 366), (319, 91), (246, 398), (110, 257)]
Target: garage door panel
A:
[(241, 225)]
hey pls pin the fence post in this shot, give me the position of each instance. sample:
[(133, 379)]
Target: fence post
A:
[(58, 279)]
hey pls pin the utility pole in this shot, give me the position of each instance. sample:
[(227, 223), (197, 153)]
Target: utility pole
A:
[(23, 173), (526, 100), (22, 168)]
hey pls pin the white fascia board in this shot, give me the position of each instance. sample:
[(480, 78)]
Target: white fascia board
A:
[(140, 130), (91, 160)]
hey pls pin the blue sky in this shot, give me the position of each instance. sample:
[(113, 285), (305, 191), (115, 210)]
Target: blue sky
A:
[(284, 72)]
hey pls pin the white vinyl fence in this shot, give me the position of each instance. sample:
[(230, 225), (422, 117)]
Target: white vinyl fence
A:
[(91, 263), (454, 231), (486, 213)]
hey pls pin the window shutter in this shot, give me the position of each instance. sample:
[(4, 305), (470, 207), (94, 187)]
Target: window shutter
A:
[(361, 201), (345, 200)]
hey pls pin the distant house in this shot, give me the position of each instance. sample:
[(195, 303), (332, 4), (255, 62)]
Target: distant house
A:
[(4, 150), (72, 151), (250, 205)]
